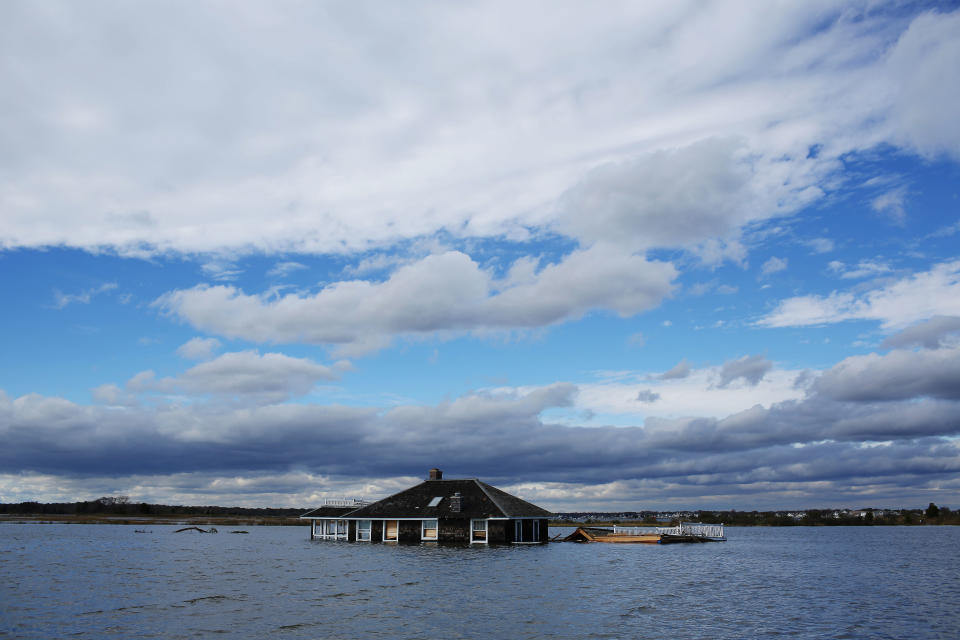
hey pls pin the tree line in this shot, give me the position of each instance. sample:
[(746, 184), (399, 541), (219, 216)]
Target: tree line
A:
[(123, 506), (932, 515)]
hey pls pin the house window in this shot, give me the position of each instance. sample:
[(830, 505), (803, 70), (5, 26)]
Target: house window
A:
[(536, 531), (478, 531), (363, 530), (428, 530), (435, 501), (390, 531), (518, 530)]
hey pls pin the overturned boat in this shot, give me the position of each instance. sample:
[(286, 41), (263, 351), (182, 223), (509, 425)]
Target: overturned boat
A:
[(683, 532)]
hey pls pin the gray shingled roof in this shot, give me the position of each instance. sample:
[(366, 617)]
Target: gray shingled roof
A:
[(328, 512), (478, 500)]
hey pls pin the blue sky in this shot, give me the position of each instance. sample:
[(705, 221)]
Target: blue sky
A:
[(659, 256)]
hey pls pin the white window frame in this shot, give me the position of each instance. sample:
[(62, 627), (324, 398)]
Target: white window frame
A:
[(385, 538), (361, 530), (486, 531), (331, 529), (424, 527)]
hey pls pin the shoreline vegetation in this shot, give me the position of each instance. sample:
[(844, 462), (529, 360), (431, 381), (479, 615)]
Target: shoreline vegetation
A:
[(121, 510)]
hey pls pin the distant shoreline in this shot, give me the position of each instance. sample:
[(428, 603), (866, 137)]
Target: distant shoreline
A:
[(227, 521), (280, 521)]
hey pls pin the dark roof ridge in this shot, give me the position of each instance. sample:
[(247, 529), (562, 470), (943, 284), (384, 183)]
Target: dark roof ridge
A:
[(496, 503)]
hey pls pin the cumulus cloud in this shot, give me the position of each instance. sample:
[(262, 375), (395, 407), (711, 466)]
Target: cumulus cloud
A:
[(895, 305), (647, 396), (922, 65), (623, 399), (678, 371), (897, 375), (809, 444), (675, 198), (930, 334), (444, 292), (749, 368), (249, 373), (245, 375), (198, 348)]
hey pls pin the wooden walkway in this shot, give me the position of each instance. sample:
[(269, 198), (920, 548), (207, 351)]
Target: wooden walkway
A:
[(685, 532)]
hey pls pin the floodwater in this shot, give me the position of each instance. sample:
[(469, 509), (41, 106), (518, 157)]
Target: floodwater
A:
[(107, 581)]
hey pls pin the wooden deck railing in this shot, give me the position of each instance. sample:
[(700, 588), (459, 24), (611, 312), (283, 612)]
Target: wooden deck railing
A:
[(683, 529)]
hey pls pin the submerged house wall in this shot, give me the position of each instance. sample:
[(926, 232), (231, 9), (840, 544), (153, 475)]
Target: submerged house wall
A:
[(409, 531), (454, 530)]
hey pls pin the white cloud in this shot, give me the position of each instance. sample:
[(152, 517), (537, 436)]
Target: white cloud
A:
[(864, 269), (891, 204), (678, 371), (773, 265), (895, 305), (61, 299), (249, 373), (923, 67), (249, 452), (647, 396), (676, 198), (221, 269), (751, 369), (669, 125), (712, 392), (283, 269), (935, 333), (111, 394), (445, 292), (198, 348), (895, 376), (244, 375), (703, 288), (820, 245)]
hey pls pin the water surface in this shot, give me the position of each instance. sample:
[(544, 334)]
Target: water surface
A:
[(106, 581)]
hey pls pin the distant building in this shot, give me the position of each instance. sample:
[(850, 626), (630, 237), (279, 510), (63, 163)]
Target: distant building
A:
[(437, 510)]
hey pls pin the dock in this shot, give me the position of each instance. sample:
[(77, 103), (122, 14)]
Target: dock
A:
[(683, 532)]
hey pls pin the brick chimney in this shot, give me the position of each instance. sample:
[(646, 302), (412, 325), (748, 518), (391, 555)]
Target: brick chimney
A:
[(435, 474)]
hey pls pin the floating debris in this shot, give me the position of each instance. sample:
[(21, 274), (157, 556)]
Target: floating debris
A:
[(210, 530), (684, 532)]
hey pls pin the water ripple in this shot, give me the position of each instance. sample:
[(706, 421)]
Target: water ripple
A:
[(94, 581)]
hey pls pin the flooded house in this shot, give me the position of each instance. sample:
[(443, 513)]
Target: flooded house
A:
[(466, 511)]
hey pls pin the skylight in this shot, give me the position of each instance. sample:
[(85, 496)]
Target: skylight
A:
[(435, 501)]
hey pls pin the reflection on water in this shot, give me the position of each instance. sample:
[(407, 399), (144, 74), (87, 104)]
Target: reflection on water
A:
[(107, 581)]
